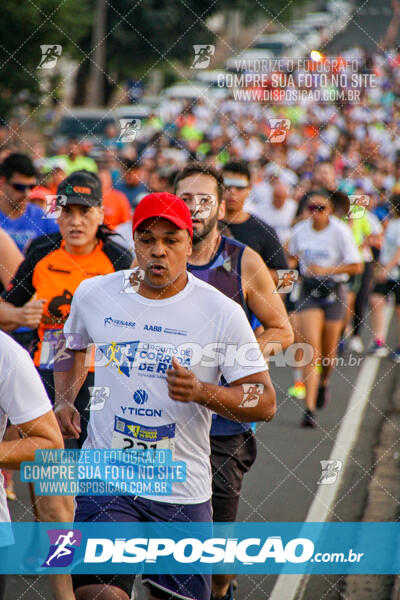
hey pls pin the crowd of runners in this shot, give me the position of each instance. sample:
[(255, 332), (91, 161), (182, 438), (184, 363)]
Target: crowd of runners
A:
[(205, 232)]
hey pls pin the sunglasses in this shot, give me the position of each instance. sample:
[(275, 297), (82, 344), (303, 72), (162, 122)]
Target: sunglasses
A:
[(21, 187), (317, 207)]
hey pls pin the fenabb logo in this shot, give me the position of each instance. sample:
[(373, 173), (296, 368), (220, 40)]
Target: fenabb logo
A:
[(191, 550), (118, 322)]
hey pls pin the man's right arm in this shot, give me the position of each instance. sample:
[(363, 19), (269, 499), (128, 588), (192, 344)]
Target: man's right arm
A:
[(29, 315), (67, 385)]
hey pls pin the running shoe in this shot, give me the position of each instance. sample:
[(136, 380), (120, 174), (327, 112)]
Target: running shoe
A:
[(298, 390), (395, 355), (308, 419), (378, 349), (356, 345), (228, 596), (323, 397)]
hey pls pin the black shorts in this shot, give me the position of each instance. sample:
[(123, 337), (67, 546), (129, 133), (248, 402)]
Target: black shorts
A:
[(231, 457), (81, 403), (333, 310), (387, 288)]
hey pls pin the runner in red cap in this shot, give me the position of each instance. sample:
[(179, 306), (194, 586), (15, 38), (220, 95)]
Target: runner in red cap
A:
[(163, 205), (154, 336)]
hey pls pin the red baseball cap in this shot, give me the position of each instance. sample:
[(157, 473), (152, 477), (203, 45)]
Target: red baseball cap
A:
[(164, 206), (39, 192)]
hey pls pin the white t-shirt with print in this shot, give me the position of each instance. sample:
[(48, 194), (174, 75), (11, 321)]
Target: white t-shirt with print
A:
[(332, 246), (390, 245), (22, 395), (135, 339)]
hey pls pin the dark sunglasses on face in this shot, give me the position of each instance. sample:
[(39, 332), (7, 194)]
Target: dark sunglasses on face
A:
[(317, 207), (21, 187)]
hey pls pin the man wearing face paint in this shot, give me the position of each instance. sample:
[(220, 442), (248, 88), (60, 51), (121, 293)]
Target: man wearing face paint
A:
[(240, 274)]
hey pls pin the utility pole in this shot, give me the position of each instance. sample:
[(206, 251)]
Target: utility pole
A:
[(95, 92)]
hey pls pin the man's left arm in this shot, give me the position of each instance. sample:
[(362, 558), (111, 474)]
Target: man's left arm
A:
[(259, 290), (250, 395), (251, 398)]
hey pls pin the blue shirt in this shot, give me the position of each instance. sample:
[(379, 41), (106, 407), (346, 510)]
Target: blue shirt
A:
[(28, 226)]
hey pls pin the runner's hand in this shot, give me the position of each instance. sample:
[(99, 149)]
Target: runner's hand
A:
[(183, 385), (31, 313), (69, 420)]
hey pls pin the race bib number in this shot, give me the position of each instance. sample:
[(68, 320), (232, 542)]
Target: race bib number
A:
[(128, 435)]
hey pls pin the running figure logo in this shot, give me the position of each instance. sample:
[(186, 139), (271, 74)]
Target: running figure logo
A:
[(54, 204), (279, 130), (50, 54), (202, 55), (286, 280), (251, 394), (358, 205), (98, 397), (131, 282), (121, 356), (330, 471), (61, 552), (129, 129), (111, 353)]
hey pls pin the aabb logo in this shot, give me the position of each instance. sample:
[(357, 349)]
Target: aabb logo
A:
[(149, 327), (62, 547)]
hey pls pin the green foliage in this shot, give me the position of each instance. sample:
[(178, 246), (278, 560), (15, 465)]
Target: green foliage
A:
[(24, 26), (141, 36)]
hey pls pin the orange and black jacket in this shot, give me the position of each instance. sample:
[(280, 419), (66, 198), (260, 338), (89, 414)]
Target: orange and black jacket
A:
[(50, 273)]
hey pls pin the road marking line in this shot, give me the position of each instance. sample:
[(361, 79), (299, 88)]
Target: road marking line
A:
[(287, 586)]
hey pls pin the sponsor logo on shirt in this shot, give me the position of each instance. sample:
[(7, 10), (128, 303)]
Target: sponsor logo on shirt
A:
[(140, 396), (118, 322), (120, 356), (141, 412), (175, 331), (149, 360), (316, 254), (58, 309)]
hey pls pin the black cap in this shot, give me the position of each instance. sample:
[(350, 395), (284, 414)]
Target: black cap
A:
[(81, 187)]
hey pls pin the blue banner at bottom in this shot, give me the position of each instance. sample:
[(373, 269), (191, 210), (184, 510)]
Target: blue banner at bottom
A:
[(250, 548)]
